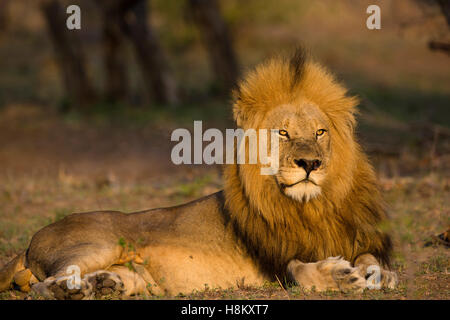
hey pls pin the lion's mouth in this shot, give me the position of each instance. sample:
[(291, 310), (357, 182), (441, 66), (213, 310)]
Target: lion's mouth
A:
[(306, 180)]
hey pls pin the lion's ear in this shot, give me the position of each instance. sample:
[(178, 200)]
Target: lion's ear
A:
[(352, 112), (343, 114)]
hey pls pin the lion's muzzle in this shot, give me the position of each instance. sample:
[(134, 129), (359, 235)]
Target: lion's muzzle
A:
[(308, 165)]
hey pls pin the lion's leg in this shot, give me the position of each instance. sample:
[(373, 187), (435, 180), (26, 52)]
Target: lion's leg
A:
[(116, 281), (371, 269), (71, 274), (137, 280), (25, 279), (93, 267), (133, 282), (333, 273)]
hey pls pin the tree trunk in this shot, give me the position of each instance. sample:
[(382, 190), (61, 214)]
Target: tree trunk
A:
[(445, 8), (113, 50), (70, 56), (206, 15), (4, 14), (150, 56), (443, 46)]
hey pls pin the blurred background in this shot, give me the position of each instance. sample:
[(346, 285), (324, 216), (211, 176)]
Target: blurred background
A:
[(86, 115)]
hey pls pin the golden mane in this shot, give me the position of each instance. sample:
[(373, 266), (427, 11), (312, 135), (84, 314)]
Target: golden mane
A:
[(344, 220)]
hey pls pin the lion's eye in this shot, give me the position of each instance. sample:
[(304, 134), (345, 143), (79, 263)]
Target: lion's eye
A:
[(320, 132), (283, 133)]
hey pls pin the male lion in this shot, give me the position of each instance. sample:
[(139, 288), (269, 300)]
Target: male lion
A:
[(316, 221)]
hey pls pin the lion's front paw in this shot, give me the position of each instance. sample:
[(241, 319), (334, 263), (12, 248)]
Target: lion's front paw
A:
[(333, 273), (389, 279), (347, 278), (378, 278)]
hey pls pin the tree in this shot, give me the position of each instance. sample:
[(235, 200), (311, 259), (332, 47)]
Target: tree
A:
[(4, 14), (441, 45), (445, 8), (119, 18), (206, 15), (70, 55), (113, 49), (150, 55), (444, 5)]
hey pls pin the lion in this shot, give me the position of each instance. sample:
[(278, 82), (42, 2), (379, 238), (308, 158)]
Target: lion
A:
[(317, 222)]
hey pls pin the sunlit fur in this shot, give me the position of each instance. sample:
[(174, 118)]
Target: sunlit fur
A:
[(345, 218), (303, 191)]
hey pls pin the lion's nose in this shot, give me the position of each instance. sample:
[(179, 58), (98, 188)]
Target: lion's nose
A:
[(308, 165)]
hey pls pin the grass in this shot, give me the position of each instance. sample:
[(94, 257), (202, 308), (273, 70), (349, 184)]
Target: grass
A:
[(408, 104), (104, 114)]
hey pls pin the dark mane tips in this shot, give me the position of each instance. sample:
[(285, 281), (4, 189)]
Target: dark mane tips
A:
[(297, 65)]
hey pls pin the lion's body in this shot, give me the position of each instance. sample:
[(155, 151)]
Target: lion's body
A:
[(183, 248), (252, 230)]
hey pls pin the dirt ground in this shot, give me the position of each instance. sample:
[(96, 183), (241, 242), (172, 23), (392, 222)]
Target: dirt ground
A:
[(51, 166)]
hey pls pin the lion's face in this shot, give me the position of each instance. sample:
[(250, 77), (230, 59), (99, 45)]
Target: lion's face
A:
[(304, 149)]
